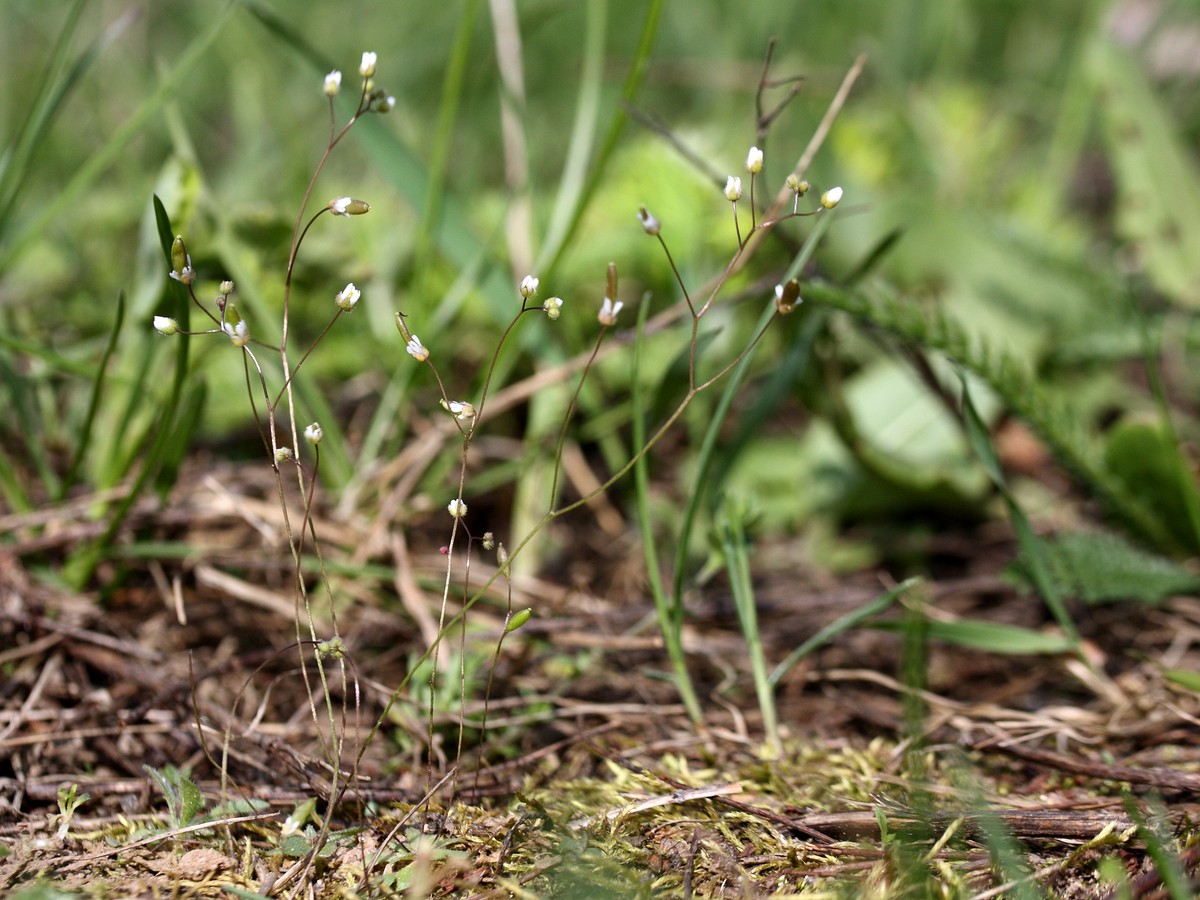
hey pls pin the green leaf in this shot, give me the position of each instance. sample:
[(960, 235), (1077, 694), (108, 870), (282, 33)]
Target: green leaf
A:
[(1184, 678), (1102, 568), (1158, 186), (184, 800), (1143, 455)]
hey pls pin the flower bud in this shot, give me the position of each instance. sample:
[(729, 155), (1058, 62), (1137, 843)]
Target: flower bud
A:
[(283, 454), (650, 224), (164, 325), (787, 296), (831, 198), (333, 83), (553, 308), (457, 508), (529, 286), (179, 255), (797, 185), (314, 434), (366, 68), (754, 161), (348, 206), (733, 189), (181, 262)]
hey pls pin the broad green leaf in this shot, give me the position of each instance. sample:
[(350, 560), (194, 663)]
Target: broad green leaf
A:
[(1102, 568), (1158, 185), (1142, 454)]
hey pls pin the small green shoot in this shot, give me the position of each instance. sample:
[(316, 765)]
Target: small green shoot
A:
[(69, 800), (184, 800)]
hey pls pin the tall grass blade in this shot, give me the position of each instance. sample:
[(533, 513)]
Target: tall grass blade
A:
[(841, 625), (443, 132), (633, 81), (1032, 549), (105, 155), (568, 203), (84, 442), (668, 609), (731, 531), (78, 569)]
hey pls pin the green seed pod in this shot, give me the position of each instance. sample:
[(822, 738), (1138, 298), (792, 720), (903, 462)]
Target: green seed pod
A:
[(179, 254), (518, 619)]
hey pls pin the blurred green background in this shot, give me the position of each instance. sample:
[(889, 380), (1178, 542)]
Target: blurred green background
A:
[(1033, 162)]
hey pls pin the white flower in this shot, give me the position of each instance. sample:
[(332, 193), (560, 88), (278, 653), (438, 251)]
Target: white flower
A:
[(366, 68), (831, 198), (314, 433), (460, 409), (733, 189), (754, 161), (164, 325), (416, 349), (553, 308), (187, 274), (529, 286), (238, 333), (333, 83), (608, 311), (457, 508), (347, 298)]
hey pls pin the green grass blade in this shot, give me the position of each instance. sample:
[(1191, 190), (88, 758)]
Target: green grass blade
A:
[(633, 81), (668, 611), (105, 155), (991, 637), (704, 458), (84, 443), (568, 205), (731, 531), (15, 162), (443, 133), (769, 396), (78, 569), (1032, 549), (1155, 833), (841, 625), (22, 392)]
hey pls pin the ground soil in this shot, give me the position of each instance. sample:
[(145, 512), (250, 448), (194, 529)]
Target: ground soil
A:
[(593, 781)]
